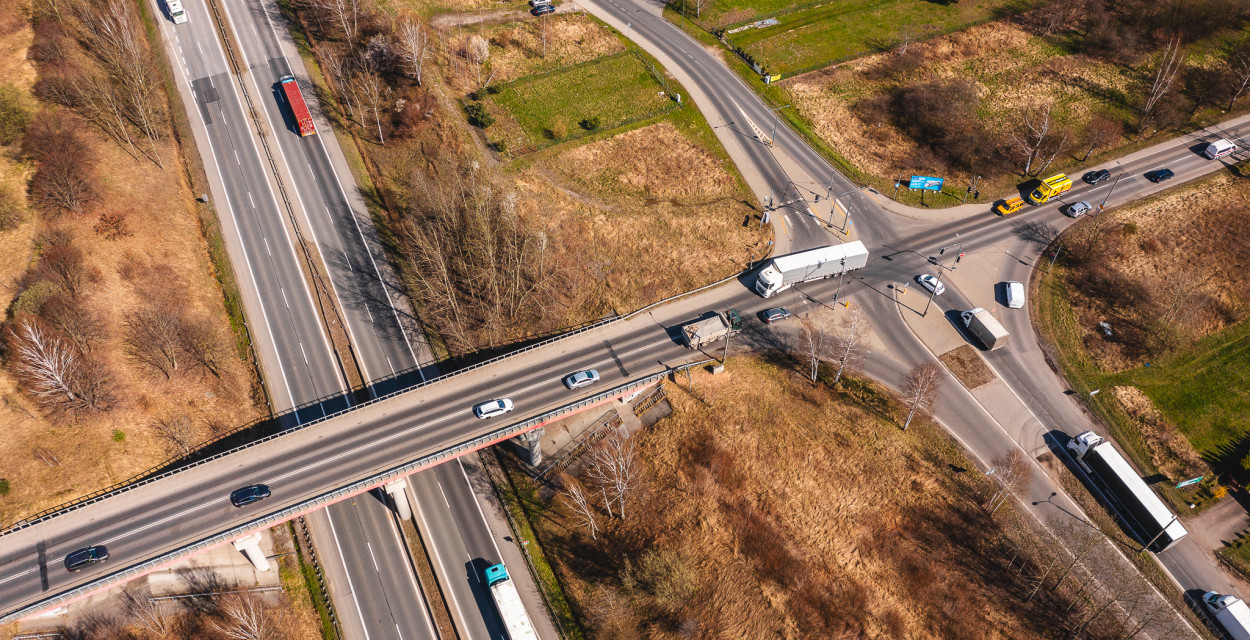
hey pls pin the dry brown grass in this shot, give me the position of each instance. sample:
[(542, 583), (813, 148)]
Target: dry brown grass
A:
[(782, 511), (48, 461), (966, 365)]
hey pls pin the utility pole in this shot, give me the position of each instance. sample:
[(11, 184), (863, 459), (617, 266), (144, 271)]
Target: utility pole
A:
[(972, 184), (838, 296), (726, 355), (932, 294), (1113, 184), (1052, 258), (772, 137), (1161, 532)]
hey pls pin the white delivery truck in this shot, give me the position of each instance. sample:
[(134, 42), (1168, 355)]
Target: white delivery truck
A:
[(786, 271), (176, 11), (1231, 612), (985, 327), (508, 601), (1143, 511), (1219, 149)]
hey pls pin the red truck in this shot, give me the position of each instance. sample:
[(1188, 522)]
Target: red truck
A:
[(298, 107)]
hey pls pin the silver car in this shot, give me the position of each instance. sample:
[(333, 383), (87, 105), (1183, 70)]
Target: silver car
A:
[(1078, 209), (581, 379), (492, 408)]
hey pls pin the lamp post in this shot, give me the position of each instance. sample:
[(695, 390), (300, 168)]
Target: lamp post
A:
[(1113, 184), (1161, 532), (932, 294), (772, 137)]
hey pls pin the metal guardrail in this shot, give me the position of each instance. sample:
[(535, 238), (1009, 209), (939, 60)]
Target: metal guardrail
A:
[(360, 486)]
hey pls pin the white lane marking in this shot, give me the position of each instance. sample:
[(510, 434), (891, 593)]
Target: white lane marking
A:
[(310, 171), (16, 576), (374, 557), (249, 199), (334, 534), (371, 321), (236, 158), (158, 522), (480, 513), (390, 364), (438, 558), (444, 494), (287, 303), (301, 350), (330, 217), (406, 432), (270, 252), (200, 49)]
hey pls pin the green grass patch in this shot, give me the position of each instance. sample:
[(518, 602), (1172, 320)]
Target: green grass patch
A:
[(304, 584), (573, 102), (813, 37)]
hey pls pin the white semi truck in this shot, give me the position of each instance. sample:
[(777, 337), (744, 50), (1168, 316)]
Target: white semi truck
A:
[(985, 327), (786, 271), (508, 602), (1145, 513), (1231, 612)]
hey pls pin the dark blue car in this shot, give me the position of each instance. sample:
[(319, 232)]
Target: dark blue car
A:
[(249, 494)]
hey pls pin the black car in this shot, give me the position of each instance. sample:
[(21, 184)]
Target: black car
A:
[(1095, 177), (86, 557), (770, 316), (1159, 175), (543, 9), (249, 494)]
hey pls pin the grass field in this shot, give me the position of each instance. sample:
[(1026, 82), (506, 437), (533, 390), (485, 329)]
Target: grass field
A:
[(603, 94), (811, 37)]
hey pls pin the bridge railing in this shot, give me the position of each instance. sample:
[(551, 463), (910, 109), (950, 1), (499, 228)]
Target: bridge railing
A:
[(168, 555)]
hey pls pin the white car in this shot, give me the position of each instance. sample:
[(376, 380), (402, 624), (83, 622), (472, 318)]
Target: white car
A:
[(1078, 209), (581, 379), (1015, 295), (931, 283), (492, 408)]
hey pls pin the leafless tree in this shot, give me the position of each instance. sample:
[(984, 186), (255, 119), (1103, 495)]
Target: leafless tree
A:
[(148, 614), (201, 341), (476, 51), (1074, 539), (1165, 76), (1031, 137), (700, 6), (347, 14), (1059, 15), (63, 181), (575, 499), (177, 432), (813, 336), (414, 47), (1011, 472), (340, 70), (374, 95), (75, 321), (1177, 292), (920, 389), (244, 617), (614, 466), (153, 337), (1238, 63), (62, 263), (1060, 141), (542, 28), (849, 348), (1101, 132), (59, 378), (12, 208)]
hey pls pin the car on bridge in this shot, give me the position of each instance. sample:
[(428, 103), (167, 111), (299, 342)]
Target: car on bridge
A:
[(492, 408), (249, 494), (86, 557), (581, 379)]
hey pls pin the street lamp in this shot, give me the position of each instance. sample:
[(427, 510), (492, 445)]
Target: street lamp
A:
[(1113, 184), (835, 202), (933, 294), (772, 137)]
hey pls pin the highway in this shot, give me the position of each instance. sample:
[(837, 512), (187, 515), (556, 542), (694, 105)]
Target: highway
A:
[(160, 517)]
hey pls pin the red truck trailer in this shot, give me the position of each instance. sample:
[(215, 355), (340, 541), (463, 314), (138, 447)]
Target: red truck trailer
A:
[(298, 107)]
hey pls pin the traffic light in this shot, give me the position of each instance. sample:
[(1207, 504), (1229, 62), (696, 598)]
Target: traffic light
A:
[(941, 251), (961, 257)]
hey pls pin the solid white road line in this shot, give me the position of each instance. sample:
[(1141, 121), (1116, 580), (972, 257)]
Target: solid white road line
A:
[(334, 534), (159, 522)]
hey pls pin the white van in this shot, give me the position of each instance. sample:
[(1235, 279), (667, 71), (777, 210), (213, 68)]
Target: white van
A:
[(1219, 149), (1015, 295), (176, 12)]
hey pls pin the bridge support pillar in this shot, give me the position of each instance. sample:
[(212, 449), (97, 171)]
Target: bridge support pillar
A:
[(250, 546), (396, 491), (531, 442)]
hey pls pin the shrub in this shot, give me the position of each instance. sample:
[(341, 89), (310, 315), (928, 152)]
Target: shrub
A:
[(479, 116), (119, 435), (500, 146), (557, 130), (590, 124), (493, 89), (1129, 229), (12, 208), (14, 114), (4, 487), (112, 225)]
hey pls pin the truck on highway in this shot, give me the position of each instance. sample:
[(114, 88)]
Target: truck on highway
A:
[(1143, 511), (786, 271), (985, 327), (1050, 187), (299, 109), (710, 328), (508, 602), (1231, 612)]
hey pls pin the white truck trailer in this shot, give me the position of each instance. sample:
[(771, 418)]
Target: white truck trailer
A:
[(1144, 513), (508, 602), (786, 271), (1231, 612), (985, 327)]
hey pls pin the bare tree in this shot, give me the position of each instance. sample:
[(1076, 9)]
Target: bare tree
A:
[(1059, 143), (374, 95), (574, 497), (920, 389), (542, 28), (1177, 292), (1165, 76), (148, 614), (50, 370), (1073, 539), (615, 468), (75, 321), (12, 208), (476, 51), (64, 181), (700, 6), (1238, 63), (244, 617), (1012, 472), (1031, 137), (1101, 132), (340, 71), (177, 432), (201, 341), (414, 47), (347, 14), (849, 347), (62, 263), (153, 337), (812, 342)]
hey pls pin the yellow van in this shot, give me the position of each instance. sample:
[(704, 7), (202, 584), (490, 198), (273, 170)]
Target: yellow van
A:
[(1009, 206)]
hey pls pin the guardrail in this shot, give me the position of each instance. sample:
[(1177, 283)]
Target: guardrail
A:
[(166, 556)]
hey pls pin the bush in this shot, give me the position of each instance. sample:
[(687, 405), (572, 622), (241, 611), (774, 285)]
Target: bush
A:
[(479, 116), (557, 131), (500, 146), (4, 487), (12, 208), (590, 124), (493, 89), (119, 435), (112, 225), (14, 114)]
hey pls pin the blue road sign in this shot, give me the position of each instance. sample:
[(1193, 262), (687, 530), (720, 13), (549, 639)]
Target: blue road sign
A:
[(928, 183)]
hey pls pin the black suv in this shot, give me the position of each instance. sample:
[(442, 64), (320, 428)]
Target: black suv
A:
[(86, 557), (1159, 175), (249, 494)]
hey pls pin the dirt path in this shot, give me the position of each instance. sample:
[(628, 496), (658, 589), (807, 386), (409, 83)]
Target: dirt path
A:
[(448, 20)]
